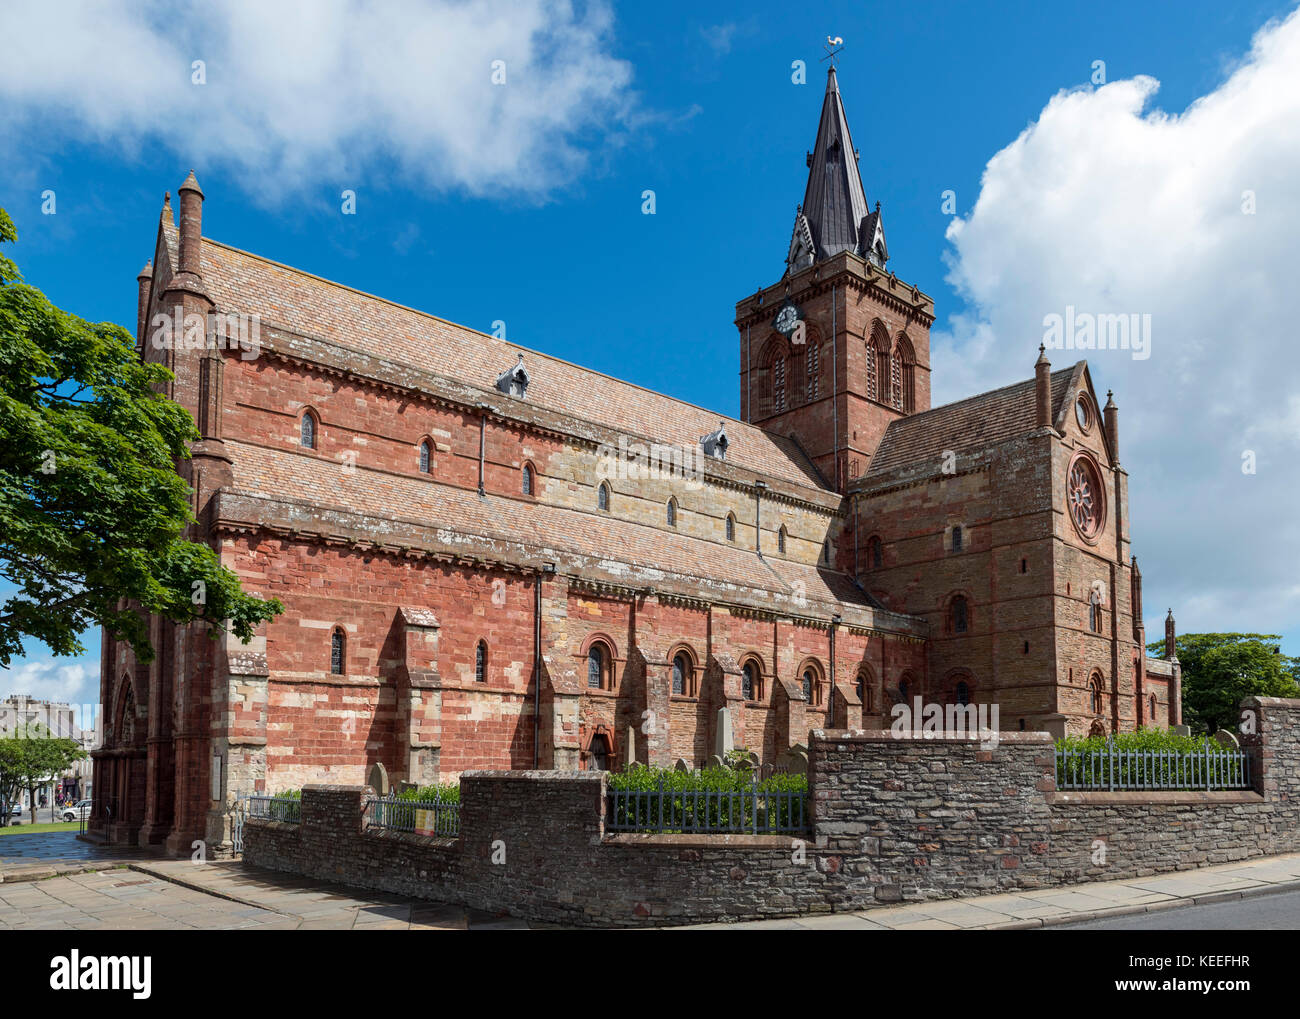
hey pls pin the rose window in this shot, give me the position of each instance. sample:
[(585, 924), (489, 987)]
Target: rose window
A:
[(1086, 500)]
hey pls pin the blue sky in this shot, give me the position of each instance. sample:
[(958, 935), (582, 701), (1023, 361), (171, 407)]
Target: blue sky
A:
[(694, 101)]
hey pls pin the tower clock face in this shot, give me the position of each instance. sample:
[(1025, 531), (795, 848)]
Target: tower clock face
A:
[(786, 319)]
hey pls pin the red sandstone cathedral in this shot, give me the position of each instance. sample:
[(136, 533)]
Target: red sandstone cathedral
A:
[(492, 558)]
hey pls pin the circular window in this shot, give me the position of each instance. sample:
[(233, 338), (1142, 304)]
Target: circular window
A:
[(1085, 497), (1083, 413)]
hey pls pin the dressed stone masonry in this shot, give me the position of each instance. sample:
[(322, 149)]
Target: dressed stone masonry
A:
[(893, 820), (491, 558)]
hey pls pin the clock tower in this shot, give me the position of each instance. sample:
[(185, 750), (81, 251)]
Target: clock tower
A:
[(840, 346)]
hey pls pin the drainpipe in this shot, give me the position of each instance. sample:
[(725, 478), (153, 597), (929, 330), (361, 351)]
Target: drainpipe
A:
[(830, 698), (548, 569), (759, 488), (482, 446)]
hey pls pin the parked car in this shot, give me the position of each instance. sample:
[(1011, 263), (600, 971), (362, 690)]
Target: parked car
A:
[(14, 813), (77, 811)]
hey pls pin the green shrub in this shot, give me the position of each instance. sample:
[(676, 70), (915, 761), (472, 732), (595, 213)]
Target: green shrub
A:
[(1148, 758), (1154, 740), (697, 800), (449, 793)]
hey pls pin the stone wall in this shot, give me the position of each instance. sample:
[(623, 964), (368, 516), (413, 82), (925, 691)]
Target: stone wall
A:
[(893, 820)]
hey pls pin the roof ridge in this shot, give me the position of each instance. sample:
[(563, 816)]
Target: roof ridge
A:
[(977, 396), (508, 343)]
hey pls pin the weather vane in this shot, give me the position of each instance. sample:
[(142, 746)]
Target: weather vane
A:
[(833, 46)]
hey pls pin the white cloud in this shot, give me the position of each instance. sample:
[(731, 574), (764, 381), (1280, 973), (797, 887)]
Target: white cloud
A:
[(73, 682), (300, 92), (1111, 206)]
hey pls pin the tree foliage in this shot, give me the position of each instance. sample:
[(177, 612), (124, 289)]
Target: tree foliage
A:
[(1220, 669), (91, 507), (29, 760)]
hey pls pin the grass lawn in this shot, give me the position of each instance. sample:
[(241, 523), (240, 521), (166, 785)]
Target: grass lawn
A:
[(27, 828)]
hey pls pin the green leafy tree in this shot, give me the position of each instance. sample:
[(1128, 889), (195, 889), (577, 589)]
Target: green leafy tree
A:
[(30, 759), (91, 507), (1219, 669)]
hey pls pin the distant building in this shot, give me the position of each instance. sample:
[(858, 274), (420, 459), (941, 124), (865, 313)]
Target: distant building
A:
[(22, 715)]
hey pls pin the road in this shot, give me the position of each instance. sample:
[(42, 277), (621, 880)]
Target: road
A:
[(1280, 912)]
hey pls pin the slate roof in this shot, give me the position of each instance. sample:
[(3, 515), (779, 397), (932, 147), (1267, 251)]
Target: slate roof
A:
[(299, 302), (974, 423), (834, 203)]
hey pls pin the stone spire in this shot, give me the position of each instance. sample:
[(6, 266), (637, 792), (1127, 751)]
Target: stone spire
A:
[(834, 216), (1171, 637)]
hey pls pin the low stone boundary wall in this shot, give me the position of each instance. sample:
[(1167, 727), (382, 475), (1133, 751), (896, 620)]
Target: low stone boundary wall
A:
[(893, 820)]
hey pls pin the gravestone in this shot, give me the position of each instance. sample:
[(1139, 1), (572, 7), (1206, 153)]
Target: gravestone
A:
[(1226, 740), (794, 761), (1181, 730), (723, 742), (717, 762), (377, 778), (681, 765)]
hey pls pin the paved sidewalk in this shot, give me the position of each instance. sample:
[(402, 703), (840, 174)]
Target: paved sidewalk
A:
[(182, 895), (42, 855), (1052, 906)]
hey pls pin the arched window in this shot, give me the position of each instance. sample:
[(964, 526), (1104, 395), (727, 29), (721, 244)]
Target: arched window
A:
[(896, 380), (598, 667), (812, 685), (307, 431), (882, 370), (961, 693), (780, 540), (599, 753), (683, 674), (1095, 696), (875, 552), (602, 497), (777, 383), (1094, 613), (826, 552), (873, 388), (956, 538), (526, 479), (480, 662), (863, 687), (812, 368), (907, 375), (958, 614), (672, 513), (1153, 703), (731, 527), (338, 651), (424, 457), (905, 688), (751, 681)]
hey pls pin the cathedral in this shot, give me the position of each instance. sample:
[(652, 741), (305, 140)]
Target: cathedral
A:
[(493, 558)]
